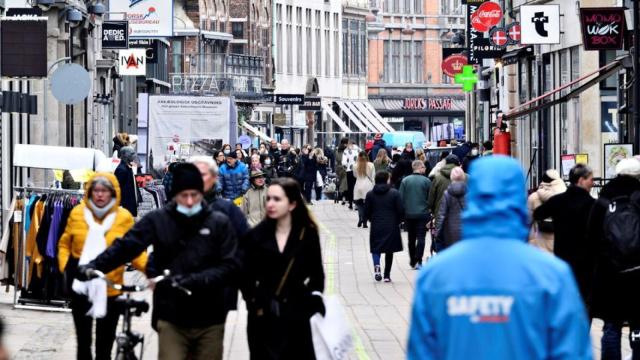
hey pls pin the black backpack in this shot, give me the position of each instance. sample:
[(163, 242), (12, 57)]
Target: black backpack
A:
[(621, 232)]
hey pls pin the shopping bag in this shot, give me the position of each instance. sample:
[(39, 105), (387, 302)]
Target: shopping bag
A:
[(331, 334), (319, 181)]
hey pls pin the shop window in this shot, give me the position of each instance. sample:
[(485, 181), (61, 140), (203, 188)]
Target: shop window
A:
[(606, 57)]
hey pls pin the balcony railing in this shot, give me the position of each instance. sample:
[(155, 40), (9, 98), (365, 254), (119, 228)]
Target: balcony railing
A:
[(218, 63)]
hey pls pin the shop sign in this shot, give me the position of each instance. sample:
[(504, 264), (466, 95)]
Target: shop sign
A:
[(115, 35), (132, 62), (480, 47), (428, 104), (150, 46), (23, 43), (467, 78), (310, 104), (453, 64), (487, 16), (602, 28), (540, 24), (147, 18), (289, 99)]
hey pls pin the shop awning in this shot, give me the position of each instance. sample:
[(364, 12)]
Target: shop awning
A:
[(255, 131), (216, 35), (537, 104), (336, 118), (371, 113), (356, 119)]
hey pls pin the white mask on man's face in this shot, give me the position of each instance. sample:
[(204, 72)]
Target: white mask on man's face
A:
[(474, 152)]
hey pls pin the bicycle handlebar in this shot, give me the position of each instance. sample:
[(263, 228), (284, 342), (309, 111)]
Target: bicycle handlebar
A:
[(166, 274)]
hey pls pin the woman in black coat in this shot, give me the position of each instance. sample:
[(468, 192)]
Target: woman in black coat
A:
[(384, 209), (310, 167), (282, 276)]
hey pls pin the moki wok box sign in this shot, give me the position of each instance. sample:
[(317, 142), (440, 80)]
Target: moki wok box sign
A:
[(602, 28)]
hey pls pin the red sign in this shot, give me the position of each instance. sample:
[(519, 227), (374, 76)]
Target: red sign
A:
[(603, 28), (477, 24), (499, 37), (489, 14), (453, 64), (513, 30), (428, 104)]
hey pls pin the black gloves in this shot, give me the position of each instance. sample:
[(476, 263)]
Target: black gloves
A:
[(317, 305), (85, 272)]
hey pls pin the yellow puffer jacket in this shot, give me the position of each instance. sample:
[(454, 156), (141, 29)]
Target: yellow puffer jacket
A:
[(72, 241)]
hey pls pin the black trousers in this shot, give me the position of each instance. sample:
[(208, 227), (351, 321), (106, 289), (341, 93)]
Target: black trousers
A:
[(417, 232), (361, 212), (351, 183), (105, 328), (308, 187)]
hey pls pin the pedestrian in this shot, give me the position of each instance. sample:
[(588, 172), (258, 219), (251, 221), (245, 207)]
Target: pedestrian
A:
[(402, 169), (322, 163), (308, 172), (268, 168), (128, 186), (448, 220), (274, 151), (341, 170), (542, 231), (93, 226), (282, 276), (487, 147), (234, 178), (381, 161), (408, 152), (615, 296), (471, 156), (331, 156), (255, 164), (254, 202), (365, 176), (414, 190), (461, 151), (288, 160), (378, 144), (420, 155), (219, 158), (262, 149), (119, 141), (349, 159), (441, 183), (439, 165), (383, 208), (491, 283), (242, 157), (226, 149), (198, 246)]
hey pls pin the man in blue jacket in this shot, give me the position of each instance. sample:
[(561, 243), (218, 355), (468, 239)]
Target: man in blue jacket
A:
[(491, 296), (234, 177)]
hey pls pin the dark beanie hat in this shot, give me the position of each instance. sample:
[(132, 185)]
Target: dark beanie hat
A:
[(452, 159), (186, 176)]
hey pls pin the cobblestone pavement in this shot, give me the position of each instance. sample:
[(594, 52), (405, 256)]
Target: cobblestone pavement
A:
[(379, 311)]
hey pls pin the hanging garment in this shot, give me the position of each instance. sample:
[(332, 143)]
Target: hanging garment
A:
[(34, 258)]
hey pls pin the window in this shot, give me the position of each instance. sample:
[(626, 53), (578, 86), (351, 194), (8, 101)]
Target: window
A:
[(363, 46), (354, 47), (606, 57), (395, 8), (308, 43), (289, 41), (327, 42), (385, 62), (279, 42), (237, 49), (395, 60), (406, 59), (176, 49), (299, 40), (223, 26), (385, 6), (417, 7), (345, 47), (336, 45), (407, 6), (318, 45), (237, 29), (575, 65), (419, 63)]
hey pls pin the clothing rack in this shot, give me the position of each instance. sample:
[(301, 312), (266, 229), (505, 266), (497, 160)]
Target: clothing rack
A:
[(19, 300)]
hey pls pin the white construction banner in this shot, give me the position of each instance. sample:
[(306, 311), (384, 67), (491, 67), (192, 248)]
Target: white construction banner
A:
[(183, 126), (540, 24), (147, 18)]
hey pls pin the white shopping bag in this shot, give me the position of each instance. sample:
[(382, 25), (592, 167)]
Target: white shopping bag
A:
[(331, 334), (319, 180)]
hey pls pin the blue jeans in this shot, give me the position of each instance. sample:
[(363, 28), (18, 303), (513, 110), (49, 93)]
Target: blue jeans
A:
[(611, 338), (388, 262)]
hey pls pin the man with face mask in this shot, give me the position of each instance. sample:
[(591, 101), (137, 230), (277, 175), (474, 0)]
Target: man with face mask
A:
[(473, 155), (198, 246), (124, 174)]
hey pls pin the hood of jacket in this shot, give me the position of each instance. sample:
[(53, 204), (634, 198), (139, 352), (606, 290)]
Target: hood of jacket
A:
[(114, 182), (547, 190), (446, 170), (381, 188), (457, 189), (496, 203)]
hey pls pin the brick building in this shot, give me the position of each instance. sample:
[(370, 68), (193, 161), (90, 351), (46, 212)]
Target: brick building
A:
[(406, 83)]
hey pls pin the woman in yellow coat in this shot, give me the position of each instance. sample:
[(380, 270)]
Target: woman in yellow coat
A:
[(93, 226)]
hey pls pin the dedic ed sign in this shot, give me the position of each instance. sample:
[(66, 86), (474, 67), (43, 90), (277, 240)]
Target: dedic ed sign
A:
[(602, 28), (115, 35)]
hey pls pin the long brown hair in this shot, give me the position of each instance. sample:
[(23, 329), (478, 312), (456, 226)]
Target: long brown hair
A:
[(382, 158), (361, 165)]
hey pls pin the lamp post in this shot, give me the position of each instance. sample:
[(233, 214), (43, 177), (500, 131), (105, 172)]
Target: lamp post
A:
[(636, 73)]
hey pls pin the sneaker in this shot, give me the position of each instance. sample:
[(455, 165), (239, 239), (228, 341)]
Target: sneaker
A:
[(387, 279), (378, 275)]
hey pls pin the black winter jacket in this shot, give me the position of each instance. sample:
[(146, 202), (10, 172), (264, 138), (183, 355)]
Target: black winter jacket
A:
[(385, 211), (449, 219), (128, 188), (201, 249)]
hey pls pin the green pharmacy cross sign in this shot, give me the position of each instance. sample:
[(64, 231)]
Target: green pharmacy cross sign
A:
[(468, 78)]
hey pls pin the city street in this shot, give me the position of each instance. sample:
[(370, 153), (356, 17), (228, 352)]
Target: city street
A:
[(379, 312)]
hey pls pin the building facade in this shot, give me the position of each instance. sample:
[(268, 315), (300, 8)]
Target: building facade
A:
[(406, 83)]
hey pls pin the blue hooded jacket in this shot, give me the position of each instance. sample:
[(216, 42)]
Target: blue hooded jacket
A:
[(491, 296)]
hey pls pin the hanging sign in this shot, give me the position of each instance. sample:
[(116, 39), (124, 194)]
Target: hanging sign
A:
[(602, 28), (540, 24), (132, 62), (115, 35), (514, 33), (480, 47), (453, 64), (468, 78), (500, 36), (487, 16)]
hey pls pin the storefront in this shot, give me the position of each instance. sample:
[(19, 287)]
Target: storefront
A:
[(439, 118)]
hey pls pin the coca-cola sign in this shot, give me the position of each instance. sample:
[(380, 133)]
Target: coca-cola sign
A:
[(428, 104), (603, 28), (489, 13)]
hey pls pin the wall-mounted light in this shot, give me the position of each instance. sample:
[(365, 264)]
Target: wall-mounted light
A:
[(98, 8), (74, 17)]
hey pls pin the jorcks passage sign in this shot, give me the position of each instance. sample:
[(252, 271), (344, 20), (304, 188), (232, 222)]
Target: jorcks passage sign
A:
[(602, 28)]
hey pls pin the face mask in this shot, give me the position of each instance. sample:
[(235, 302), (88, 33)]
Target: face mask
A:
[(267, 162), (474, 152), (189, 212), (100, 212), (226, 152)]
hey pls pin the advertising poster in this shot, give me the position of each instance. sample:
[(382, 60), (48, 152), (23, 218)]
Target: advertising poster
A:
[(582, 159), (567, 162), (147, 18), (613, 153), (202, 122), (609, 117)]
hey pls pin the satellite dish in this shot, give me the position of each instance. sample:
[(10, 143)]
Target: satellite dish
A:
[(70, 84)]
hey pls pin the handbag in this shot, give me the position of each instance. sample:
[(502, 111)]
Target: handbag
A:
[(331, 334), (319, 181)]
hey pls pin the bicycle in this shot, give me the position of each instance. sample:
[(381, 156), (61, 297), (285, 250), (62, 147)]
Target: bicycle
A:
[(127, 340)]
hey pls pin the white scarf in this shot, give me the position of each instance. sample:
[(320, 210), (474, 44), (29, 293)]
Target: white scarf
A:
[(94, 245)]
